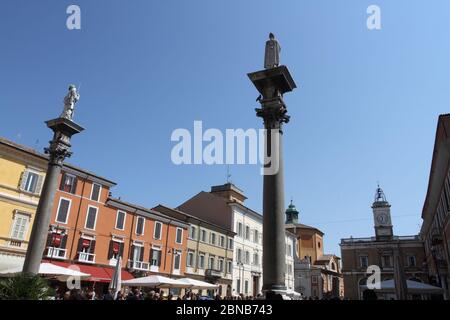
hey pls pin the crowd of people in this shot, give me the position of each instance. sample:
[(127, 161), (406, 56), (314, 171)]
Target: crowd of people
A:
[(139, 294)]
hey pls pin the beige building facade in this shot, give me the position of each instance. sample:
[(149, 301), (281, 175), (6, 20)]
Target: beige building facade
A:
[(209, 255)]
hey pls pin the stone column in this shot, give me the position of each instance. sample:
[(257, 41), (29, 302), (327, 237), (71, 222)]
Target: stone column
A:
[(272, 83), (59, 149)]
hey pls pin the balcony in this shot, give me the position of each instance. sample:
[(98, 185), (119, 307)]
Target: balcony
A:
[(56, 253), (86, 257), (138, 265), (213, 273)]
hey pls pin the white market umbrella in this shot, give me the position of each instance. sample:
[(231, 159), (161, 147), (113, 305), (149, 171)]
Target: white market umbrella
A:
[(197, 284), (116, 280), (48, 269), (155, 282), (413, 287)]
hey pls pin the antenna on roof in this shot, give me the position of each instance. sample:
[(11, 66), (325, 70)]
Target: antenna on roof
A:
[(228, 174)]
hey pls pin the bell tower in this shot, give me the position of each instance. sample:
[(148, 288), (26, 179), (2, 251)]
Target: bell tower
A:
[(382, 216)]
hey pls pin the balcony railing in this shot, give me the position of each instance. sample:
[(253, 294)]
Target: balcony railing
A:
[(86, 257), (139, 265), (56, 253), (213, 273)]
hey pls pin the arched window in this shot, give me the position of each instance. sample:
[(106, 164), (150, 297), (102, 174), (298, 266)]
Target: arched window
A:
[(333, 266)]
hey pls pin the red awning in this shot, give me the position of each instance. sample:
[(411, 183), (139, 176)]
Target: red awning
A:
[(98, 274)]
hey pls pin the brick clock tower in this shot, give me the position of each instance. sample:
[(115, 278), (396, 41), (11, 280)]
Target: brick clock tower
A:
[(382, 216)]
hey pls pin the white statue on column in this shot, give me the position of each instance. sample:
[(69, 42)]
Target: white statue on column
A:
[(69, 102)]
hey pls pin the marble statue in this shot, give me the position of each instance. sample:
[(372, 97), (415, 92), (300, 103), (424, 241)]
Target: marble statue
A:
[(69, 102)]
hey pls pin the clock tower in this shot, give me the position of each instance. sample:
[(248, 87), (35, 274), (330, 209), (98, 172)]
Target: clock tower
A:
[(382, 216)]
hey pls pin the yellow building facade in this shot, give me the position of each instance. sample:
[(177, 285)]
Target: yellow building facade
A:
[(22, 173)]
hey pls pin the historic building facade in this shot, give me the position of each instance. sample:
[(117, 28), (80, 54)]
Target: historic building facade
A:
[(92, 230), (224, 206), (209, 255), (317, 275), (22, 172), (89, 228), (382, 250), (435, 230)]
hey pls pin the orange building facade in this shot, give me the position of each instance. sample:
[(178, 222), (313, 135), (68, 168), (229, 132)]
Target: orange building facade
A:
[(91, 230)]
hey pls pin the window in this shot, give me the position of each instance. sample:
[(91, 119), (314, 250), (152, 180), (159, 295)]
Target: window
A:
[(115, 249), (201, 261), (157, 230), (63, 210), (239, 228), (179, 238), (255, 259), (239, 255), (289, 269), (255, 236), (246, 287), (192, 232), (120, 220), (190, 259), (238, 285), (363, 261), (68, 183), (140, 226), (155, 257), (222, 241), (247, 257), (229, 266), (211, 262), (95, 192), (31, 182), (213, 238), (289, 250), (411, 261), (386, 261), (230, 244), (333, 266), (203, 235), (91, 218), (20, 226), (176, 260), (138, 253), (221, 265), (247, 232)]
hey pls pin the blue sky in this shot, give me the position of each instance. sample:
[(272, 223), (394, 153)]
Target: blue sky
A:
[(365, 109)]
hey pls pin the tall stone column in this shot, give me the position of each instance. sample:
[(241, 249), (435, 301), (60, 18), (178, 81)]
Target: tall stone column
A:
[(272, 83), (63, 129)]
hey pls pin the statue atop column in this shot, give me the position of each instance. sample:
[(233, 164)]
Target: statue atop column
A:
[(272, 55), (69, 103)]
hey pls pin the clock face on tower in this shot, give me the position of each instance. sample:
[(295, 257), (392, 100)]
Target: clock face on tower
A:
[(382, 219)]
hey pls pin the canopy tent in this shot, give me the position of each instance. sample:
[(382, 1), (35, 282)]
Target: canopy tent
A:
[(293, 294), (49, 270), (413, 287), (197, 284), (155, 282)]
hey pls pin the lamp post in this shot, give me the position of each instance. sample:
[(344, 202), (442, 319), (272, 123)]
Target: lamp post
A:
[(272, 83), (63, 129)]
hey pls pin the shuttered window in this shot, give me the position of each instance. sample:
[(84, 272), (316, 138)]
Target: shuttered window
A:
[(31, 182), (140, 226), (20, 226), (95, 194)]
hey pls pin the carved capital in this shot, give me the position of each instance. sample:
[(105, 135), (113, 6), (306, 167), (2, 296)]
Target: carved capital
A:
[(274, 112)]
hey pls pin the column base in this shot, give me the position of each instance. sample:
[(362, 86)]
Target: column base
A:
[(275, 292)]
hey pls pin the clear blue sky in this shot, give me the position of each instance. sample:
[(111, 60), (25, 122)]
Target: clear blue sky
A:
[(365, 110)]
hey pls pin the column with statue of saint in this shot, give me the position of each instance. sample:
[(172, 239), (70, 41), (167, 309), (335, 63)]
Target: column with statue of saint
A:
[(272, 83), (63, 129)]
